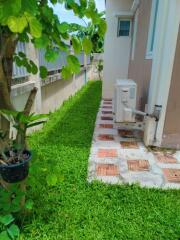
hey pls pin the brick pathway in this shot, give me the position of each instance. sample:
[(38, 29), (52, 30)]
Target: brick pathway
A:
[(118, 156)]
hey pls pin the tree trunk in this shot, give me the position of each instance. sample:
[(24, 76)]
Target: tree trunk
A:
[(30, 101), (21, 135), (5, 102), (6, 68)]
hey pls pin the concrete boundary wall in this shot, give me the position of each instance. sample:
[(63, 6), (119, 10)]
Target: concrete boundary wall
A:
[(53, 93)]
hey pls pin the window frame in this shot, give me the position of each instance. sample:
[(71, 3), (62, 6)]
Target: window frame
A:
[(152, 29), (124, 20)]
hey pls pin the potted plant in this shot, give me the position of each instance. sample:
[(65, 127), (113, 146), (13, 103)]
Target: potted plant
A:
[(14, 153)]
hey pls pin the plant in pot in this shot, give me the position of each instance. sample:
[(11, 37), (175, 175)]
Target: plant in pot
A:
[(14, 154)]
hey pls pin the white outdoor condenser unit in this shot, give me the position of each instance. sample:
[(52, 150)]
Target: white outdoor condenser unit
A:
[(125, 100)]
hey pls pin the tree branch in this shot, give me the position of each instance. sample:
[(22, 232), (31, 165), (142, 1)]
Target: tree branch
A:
[(30, 101), (21, 133)]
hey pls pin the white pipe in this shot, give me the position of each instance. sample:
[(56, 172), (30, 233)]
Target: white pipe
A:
[(135, 5), (163, 59), (170, 43), (137, 112), (157, 53)]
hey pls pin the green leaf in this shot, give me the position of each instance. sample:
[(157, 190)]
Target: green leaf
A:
[(87, 45), (17, 24), (24, 37), (66, 72), (18, 61), (35, 124), (76, 45), (21, 54), (73, 63), (41, 42), (9, 8), (43, 72), (63, 46), (30, 6), (6, 207), (28, 67), (65, 36), (92, 4), (102, 27), (48, 13), (4, 236), (51, 180), (69, 4), (7, 219), (35, 27), (34, 68), (29, 204), (51, 55), (83, 3), (35, 117), (93, 15), (53, 1), (13, 231), (63, 27)]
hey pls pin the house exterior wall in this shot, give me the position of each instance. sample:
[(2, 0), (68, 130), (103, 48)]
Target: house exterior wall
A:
[(117, 49), (171, 135), (139, 66)]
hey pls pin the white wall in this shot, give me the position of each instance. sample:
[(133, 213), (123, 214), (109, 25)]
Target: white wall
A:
[(117, 49)]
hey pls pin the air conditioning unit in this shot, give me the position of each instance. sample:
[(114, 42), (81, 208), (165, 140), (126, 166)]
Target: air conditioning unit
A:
[(125, 100)]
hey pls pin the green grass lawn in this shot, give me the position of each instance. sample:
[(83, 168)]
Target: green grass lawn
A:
[(75, 209)]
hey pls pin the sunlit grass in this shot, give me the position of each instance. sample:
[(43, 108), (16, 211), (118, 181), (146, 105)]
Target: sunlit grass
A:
[(75, 209)]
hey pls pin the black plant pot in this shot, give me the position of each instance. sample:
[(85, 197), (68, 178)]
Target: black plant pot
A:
[(16, 172)]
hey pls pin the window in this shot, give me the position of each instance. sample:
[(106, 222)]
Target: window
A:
[(123, 28), (152, 28)]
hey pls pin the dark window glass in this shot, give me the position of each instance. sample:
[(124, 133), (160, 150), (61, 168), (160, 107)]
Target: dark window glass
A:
[(154, 24), (124, 28)]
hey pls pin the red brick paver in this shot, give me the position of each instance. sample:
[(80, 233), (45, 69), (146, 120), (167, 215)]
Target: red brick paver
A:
[(165, 157), (106, 118), (138, 165), (107, 102), (107, 99), (109, 153), (172, 175), (107, 170), (129, 145), (105, 107), (106, 112), (106, 126), (126, 133), (106, 137)]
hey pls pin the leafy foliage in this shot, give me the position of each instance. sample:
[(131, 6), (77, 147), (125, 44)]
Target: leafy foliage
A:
[(21, 123), (28, 121), (35, 21), (87, 45), (10, 206), (95, 33)]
